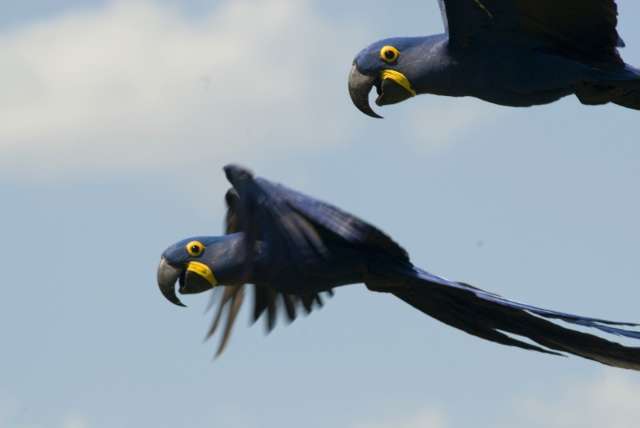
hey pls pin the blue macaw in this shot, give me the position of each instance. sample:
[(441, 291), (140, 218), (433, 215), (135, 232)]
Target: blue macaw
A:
[(292, 249), (510, 52)]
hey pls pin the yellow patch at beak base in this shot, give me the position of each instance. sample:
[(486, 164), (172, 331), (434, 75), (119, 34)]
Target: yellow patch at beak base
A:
[(399, 78), (202, 270)]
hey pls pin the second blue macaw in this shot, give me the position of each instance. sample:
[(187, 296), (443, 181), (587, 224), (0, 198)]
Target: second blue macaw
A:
[(290, 249), (516, 53)]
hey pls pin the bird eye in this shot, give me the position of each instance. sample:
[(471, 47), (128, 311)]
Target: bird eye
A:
[(195, 248), (389, 54)]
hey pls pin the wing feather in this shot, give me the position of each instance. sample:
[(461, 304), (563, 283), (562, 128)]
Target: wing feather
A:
[(581, 29), (265, 215), (332, 219)]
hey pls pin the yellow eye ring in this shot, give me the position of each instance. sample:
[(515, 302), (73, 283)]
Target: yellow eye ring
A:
[(389, 54), (195, 248)]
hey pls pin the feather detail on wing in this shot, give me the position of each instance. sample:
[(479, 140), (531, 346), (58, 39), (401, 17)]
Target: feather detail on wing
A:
[(267, 303), (292, 222), (581, 29), (265, 214)]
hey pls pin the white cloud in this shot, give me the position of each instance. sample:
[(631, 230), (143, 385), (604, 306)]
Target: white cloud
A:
[(425, 418), (610, 401), (137, 85), (75, 421), (20, 414), (8, 409)]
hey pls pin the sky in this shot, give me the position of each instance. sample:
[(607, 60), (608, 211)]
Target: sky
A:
[(116, 118)]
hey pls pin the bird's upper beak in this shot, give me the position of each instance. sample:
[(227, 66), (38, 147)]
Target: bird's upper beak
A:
[(392, 87), (195, 277)]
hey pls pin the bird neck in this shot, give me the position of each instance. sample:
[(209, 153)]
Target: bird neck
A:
[(228, 259), (236, 262), (432, 69)]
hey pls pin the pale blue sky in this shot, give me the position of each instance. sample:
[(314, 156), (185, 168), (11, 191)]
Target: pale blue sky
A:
[(117, 119)]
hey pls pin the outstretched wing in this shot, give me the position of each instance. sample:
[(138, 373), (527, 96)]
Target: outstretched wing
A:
[(581, 29), (494, 318), (296, 226), (267, 301)]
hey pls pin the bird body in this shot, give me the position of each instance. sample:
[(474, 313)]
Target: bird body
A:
[(291, 249), (515, 53)]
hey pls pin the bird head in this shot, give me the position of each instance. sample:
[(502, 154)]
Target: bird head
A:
[(389, 66), (199, 264)]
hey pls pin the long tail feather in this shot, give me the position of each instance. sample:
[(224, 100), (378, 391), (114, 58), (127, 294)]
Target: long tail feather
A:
[(623, 90), (628, 98), (493, 318)]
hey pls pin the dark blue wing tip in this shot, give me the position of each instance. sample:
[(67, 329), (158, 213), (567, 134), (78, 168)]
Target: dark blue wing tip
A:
[(236, 172), (621, 43)]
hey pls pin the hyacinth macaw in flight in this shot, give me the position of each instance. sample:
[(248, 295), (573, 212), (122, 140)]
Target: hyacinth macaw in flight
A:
[(290, 249), (510, 52)]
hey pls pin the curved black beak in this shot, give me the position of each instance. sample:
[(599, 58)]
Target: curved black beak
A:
[(167, 277), (359, 87)]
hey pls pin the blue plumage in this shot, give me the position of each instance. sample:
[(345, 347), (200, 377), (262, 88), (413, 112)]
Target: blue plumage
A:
[(293, 248), (510, 52)]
